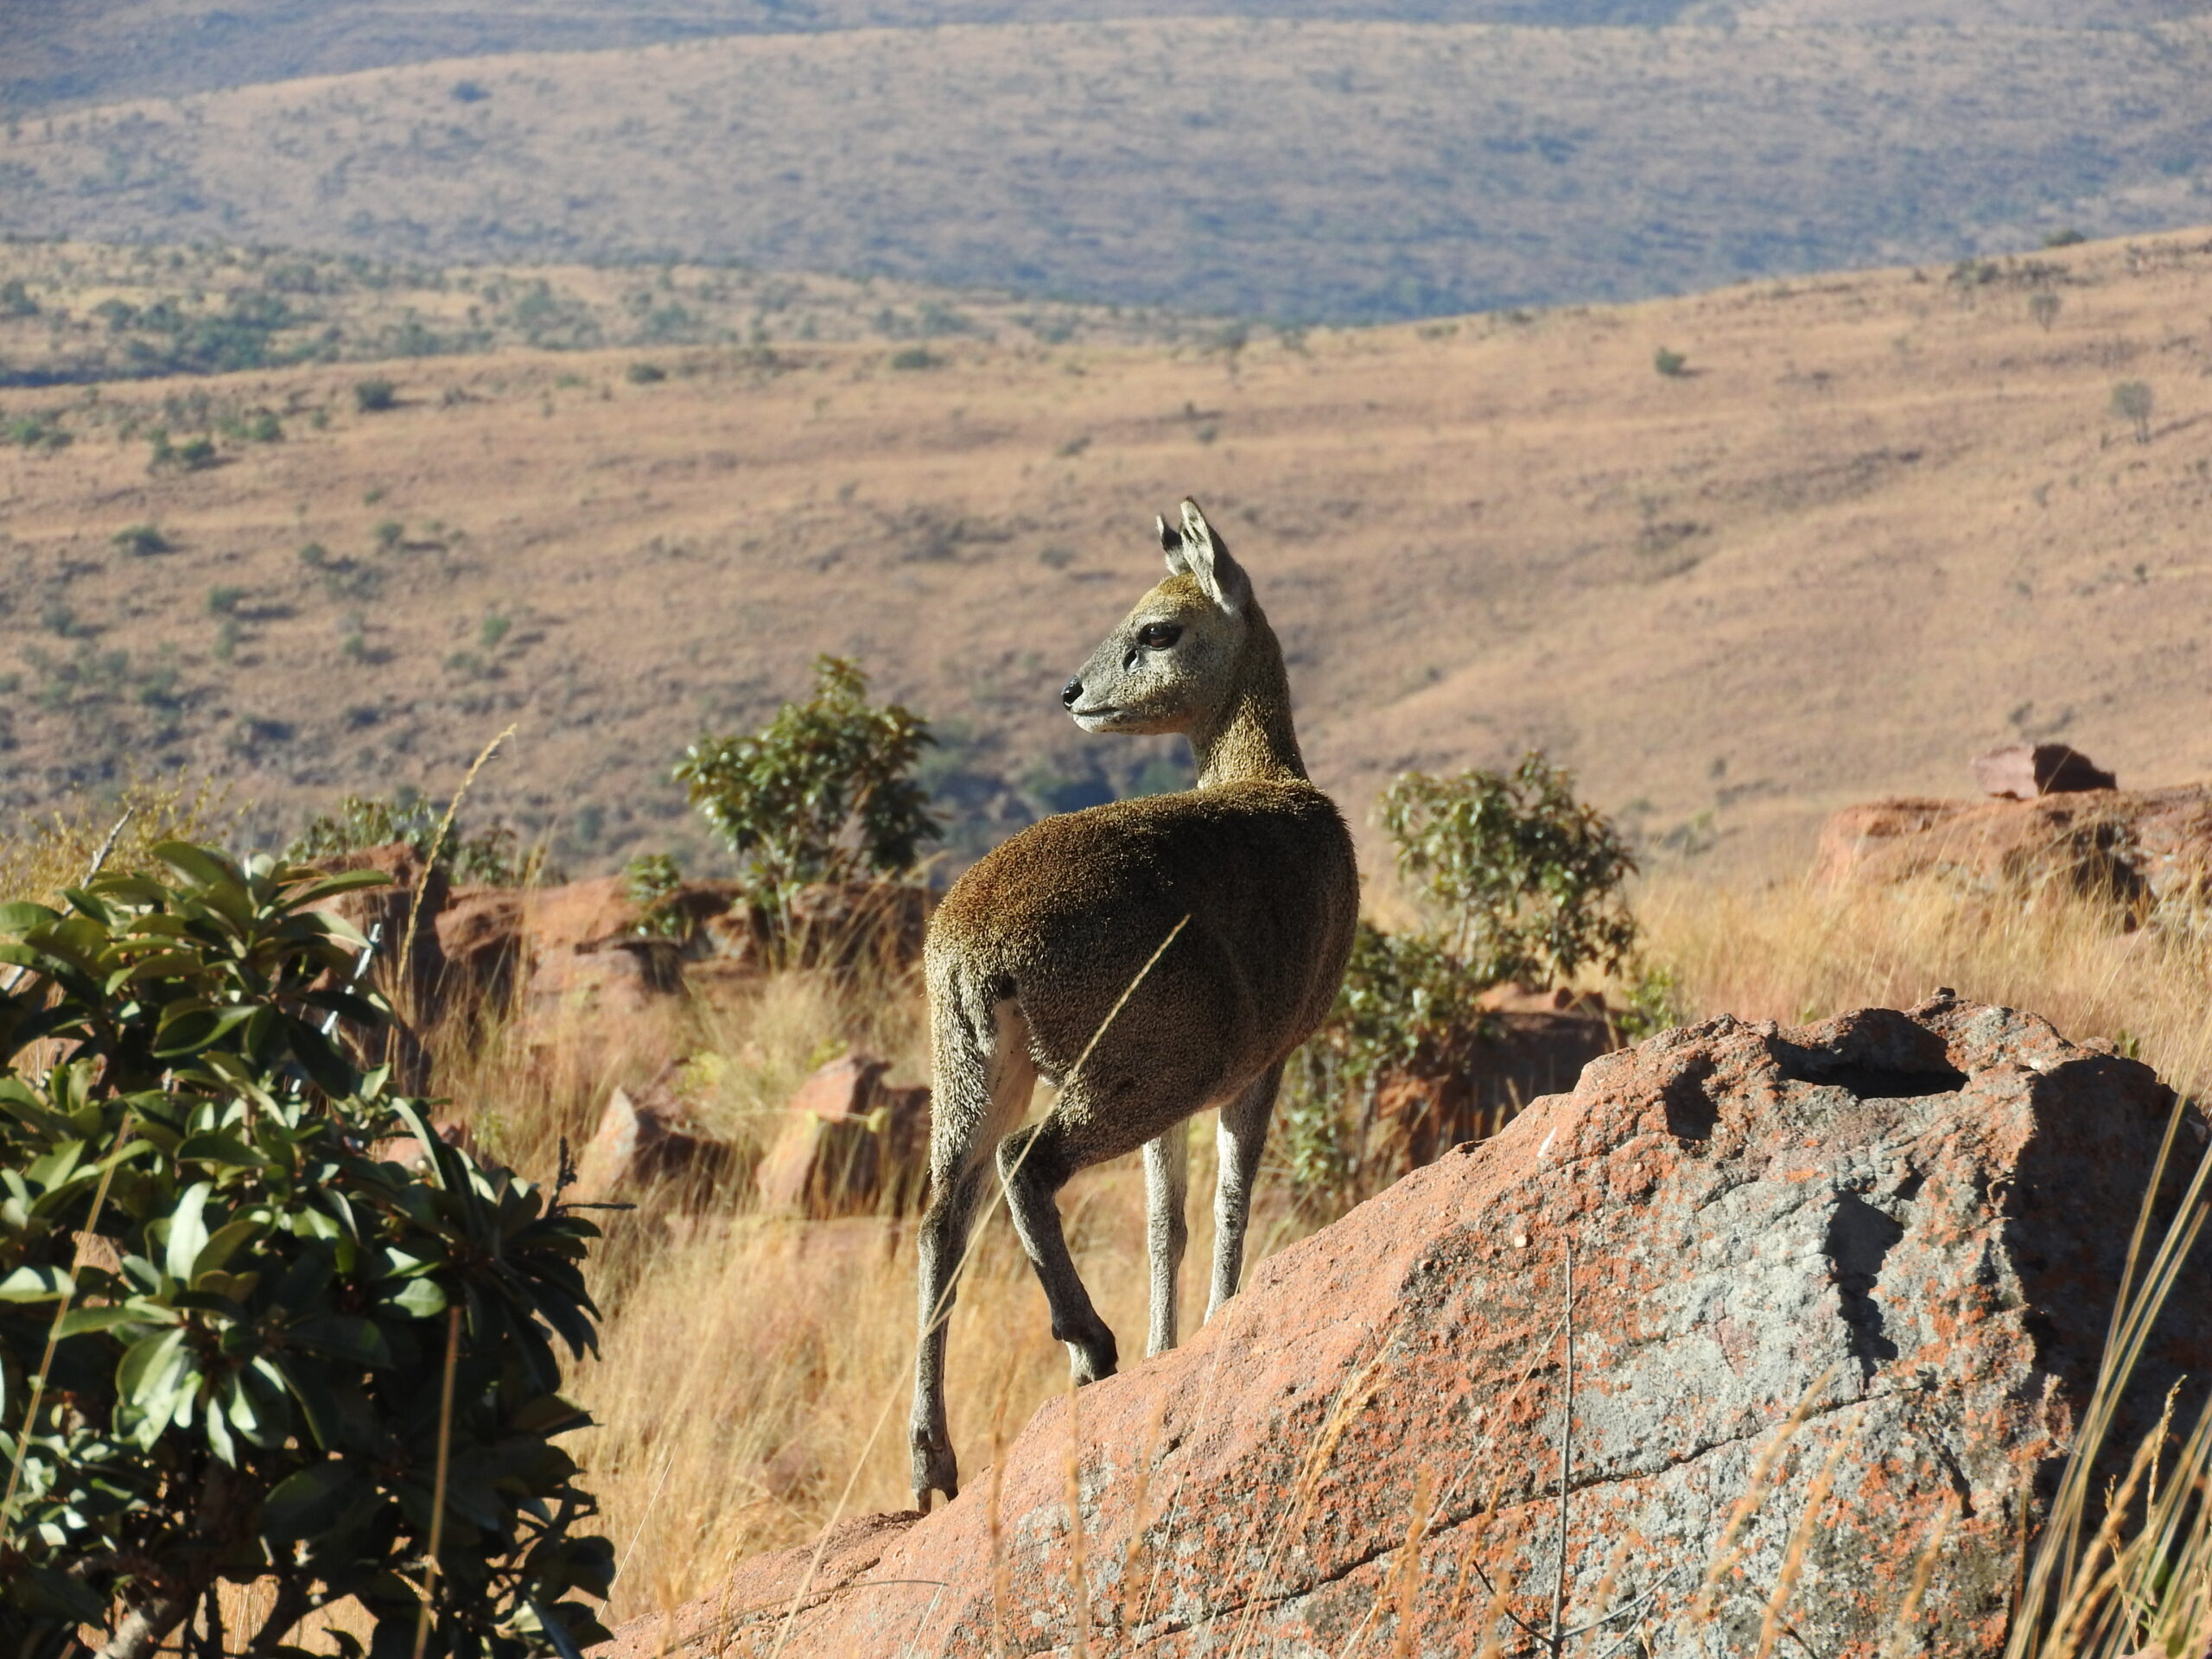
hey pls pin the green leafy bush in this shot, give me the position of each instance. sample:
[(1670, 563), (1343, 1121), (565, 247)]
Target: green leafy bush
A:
[(823, 792), (650, 881), (1671, 364), (644, 374), (1521, 881), (374, 397), (237, 1346), (492, 857), (1518, 880)]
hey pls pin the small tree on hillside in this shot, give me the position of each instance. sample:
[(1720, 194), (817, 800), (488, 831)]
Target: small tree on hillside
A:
[(2132, 401), (824, 792)]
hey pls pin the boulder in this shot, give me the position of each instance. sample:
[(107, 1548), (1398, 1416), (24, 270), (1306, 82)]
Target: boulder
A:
[(2139, 846), (1839, 1295), (851, 1143), (645, 1145), (2021, 772), (479, 931), (1531, 1043)]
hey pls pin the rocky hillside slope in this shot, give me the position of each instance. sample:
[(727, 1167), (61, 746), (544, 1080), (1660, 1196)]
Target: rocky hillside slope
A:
[(1838, 1297)]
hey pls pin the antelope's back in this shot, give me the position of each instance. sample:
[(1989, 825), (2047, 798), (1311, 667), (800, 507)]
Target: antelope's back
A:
[(1069, 911)]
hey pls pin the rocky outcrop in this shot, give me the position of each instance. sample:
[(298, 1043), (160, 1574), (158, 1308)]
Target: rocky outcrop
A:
[(851, 1143), (2139, 846), (1529, 1043), (2021, 772), (647, 1146), (1907, 1226)]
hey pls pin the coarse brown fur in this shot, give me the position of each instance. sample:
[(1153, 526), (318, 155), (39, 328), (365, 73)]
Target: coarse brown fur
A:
[(1247, 881)]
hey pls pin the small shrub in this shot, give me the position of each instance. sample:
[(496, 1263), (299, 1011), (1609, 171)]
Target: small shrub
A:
[(389, 532), (281, 1344), (225, 648), (650, 881), (490, 857), (492, 629), (2067, 237), (915, 357), (644, 374), (823, 792), (2044, 306), (2132, 401), (222, 601), (1671, 364), (1056, 558), (374, 397), (315, 555), (263, 427), (195, 455), (36, 432), (140, 540)]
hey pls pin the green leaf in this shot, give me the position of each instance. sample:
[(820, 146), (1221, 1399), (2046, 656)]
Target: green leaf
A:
[(217, 1147), (311, 1502), (187, 1231), (420, 1299), (331, 887), (37, 1285), (223, 1243), (19, 918), (341, 1335)]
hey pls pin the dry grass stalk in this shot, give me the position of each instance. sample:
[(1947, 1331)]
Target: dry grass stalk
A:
[(1407, 1568), (1351, 1399), (1801, 1539), (1730, 1550), (1901, 1640)]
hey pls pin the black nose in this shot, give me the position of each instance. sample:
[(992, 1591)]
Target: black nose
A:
[(1070, 692)]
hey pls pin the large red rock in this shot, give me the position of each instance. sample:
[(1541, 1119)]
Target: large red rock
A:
[(1911, 1223), (851, 1143), (645, 1145), (2137, 845)]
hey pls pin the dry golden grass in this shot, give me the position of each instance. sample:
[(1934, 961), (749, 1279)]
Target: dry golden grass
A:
[(117, 829), (1792, 952)]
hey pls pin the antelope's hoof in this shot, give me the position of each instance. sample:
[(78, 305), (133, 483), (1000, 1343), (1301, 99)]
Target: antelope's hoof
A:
[(935, 1470)]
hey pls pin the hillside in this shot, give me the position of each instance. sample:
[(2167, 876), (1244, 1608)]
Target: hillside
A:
[(95, 51), (1876, 523), (1296, 168), (73, 313)]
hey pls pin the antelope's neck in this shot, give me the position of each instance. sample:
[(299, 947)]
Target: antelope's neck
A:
[(1252, 737)]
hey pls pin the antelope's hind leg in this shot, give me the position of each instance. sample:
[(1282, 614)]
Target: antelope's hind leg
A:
[(1034, 1164), (1167, 1229), (981, 1076), (1241, 1137)]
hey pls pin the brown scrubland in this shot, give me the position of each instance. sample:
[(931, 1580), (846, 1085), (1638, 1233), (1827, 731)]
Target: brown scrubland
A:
[(1865, 526)]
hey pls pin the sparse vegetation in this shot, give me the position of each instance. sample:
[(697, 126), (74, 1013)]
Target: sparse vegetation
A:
[(2132, 401), (140, 540), (2043, 306), (1671, 364), (825, 792), (374, 397)]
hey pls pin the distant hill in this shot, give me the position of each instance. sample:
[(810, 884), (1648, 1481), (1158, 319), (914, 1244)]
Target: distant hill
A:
[(1292, 170), (1868, 526), (98, 51)]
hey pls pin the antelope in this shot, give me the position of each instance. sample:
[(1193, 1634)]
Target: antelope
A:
[(1149, 958)]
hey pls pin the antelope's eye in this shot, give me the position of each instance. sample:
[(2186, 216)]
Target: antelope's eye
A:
[(1158, 636)]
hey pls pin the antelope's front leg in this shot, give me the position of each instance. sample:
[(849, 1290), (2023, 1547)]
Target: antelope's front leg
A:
[(1167, 1231)]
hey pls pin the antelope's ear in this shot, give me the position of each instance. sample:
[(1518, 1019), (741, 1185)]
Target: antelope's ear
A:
[(1171, 543), (1205, 556)]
